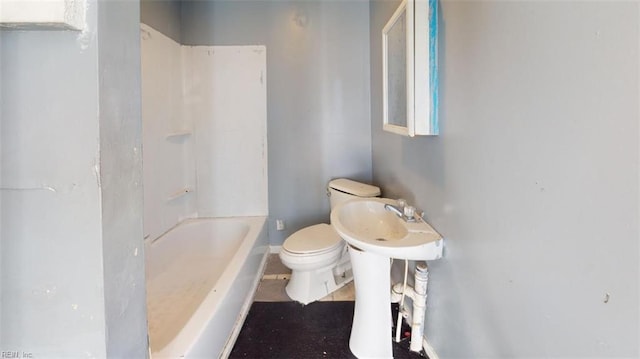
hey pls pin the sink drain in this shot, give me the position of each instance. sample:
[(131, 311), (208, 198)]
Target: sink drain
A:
[(381, 239)]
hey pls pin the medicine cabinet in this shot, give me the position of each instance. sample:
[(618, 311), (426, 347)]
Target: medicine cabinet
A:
[(410, 69)]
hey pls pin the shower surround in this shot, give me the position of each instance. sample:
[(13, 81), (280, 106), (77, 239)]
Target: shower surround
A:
[(205, 157)]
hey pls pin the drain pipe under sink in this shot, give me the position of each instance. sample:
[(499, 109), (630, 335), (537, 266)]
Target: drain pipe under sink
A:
[(418, 294)]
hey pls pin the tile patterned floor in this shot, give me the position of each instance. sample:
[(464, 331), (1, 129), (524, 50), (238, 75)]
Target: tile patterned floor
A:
[(275, 279)]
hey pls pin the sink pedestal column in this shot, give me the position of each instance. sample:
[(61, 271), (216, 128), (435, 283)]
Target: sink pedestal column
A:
[(371, 329)]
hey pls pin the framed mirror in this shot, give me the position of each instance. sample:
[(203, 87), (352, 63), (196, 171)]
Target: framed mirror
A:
[(409, 66)]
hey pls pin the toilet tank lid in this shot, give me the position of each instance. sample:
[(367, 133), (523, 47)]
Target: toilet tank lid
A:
[(355, 188)]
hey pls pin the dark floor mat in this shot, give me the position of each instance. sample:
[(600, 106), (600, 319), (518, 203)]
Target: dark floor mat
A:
[(289, 330)]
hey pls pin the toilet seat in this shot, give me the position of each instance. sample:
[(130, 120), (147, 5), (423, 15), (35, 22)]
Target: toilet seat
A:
[(313, 240)]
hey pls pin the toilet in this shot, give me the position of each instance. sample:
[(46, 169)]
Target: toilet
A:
[(316, 255)]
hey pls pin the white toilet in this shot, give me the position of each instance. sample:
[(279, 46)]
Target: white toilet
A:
[(316, 255)]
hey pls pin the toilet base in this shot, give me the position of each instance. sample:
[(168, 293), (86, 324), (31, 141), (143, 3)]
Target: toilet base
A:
[(308, 286)]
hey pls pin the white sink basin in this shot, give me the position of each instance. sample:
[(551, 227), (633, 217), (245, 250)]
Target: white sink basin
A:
[(366, 225)]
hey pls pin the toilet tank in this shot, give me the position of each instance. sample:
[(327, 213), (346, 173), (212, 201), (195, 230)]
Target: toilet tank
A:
[(343, 189)]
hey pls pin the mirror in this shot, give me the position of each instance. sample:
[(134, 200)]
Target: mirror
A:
[(409, 65), (396, 74)]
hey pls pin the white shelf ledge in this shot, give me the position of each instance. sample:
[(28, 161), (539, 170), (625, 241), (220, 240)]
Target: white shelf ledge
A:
[(180, 193), (43, 14), (178, 135)]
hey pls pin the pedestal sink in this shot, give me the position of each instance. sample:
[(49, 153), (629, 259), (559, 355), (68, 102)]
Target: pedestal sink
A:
[(375, 235)]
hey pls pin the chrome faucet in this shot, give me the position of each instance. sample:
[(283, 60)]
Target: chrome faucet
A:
[(406, 213), (391, 208)]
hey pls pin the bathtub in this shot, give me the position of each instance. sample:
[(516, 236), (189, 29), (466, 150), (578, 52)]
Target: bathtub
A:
[(201, 277)]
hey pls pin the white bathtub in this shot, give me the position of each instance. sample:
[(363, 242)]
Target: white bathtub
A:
[(201, 277)]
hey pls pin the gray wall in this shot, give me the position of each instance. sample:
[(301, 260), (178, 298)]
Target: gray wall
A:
[(70, 189), (51, 228), (317, 93), (121, 178), (162, 15), (533, 181)]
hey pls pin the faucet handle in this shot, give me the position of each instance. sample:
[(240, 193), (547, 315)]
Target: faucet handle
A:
[(419, 215), (409, 211), (402, 203)]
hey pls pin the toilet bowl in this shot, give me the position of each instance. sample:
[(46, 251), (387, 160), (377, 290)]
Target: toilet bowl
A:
[(317, 256), (314, 269)]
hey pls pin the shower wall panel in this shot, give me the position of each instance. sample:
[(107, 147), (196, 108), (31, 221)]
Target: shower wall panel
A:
[(168, 162), (226, 98)]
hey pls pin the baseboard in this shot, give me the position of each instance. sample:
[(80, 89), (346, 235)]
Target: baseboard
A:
[(274, 249), (428, 349)]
